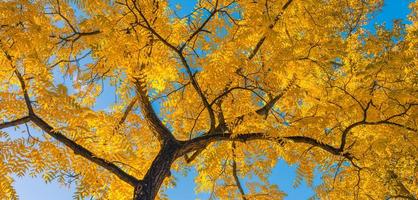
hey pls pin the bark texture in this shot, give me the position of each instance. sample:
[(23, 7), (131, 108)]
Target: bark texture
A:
[(148, 188)]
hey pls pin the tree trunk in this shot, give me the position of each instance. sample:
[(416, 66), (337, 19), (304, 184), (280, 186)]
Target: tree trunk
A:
[(148, 188)]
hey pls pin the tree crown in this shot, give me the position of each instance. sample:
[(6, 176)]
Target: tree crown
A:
[(227, 89)]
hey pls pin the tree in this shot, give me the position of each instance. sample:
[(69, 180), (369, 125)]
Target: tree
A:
[(227, 89)]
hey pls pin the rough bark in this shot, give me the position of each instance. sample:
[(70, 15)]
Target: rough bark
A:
[(82, 151), (149, 186)]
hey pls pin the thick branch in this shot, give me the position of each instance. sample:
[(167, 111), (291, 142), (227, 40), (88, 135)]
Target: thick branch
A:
[(201, 142), (80, 150), (154, 123), (221, 126), (158, 171), (160, 131), (346, 131), (182, 58), (25, 92), (15, 122)]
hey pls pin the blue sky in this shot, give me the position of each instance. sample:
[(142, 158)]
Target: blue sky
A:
[(282, 175)]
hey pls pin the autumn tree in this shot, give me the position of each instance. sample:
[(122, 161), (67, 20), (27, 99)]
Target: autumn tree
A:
[(228, 90)]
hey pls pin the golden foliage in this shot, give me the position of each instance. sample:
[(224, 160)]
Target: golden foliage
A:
[(319, 89)]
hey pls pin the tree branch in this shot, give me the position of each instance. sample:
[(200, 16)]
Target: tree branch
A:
[(80, 150), (21, 82), (269, 105), (77, 149), (365, 122), (154, 123), (276, 19), (15, 122), (193, 156), (148, 27), (127, 111), (183, 61), (159, 130), (393, 124), (199, 92), (201, 142), (235, 173), (221, 126), (25, 92), (198, 30)]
